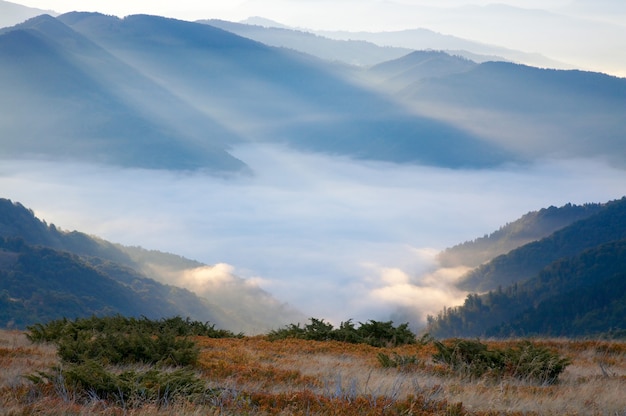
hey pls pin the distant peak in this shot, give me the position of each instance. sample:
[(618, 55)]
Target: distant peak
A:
[(71, 18), (33, 21), (261, 21)]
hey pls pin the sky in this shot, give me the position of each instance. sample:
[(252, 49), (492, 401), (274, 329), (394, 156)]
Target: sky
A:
[(583, 34), (334, 238)]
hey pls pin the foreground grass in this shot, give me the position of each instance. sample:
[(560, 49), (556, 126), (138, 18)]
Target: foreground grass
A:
[(253, 375)]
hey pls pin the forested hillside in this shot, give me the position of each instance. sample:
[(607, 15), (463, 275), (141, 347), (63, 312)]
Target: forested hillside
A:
[(47, 273), (523, 263), (38, 284), (530, 227), (568, 284)]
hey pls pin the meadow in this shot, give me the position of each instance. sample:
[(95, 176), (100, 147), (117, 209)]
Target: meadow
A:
[(259, 376)]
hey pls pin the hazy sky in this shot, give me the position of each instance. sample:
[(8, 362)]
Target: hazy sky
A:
[(285, 10), (582, 33), (336, 239)]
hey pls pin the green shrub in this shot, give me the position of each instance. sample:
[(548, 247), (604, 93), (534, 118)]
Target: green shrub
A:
[(401, 362), (131, 388), (127, 346), (375, 333), (92, 350), (469, 358), (473, 359), (535, 363), (383, 334), (318, 330), (55, 330), (289, 331), (122, 340)]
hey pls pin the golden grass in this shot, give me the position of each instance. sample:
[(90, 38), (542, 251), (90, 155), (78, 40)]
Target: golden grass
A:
[(295, 377)]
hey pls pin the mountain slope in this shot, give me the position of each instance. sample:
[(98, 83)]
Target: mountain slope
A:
[(88, 106), (152, 92), (402, 72), (531, 111), (425, 39), (582, 295), (530, 227), (46, 273), (40, 284), (523, 263), (352, 52), (269, 94), (568, 284)]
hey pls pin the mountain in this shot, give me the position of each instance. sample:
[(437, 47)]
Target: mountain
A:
[(158, 93), (565, 35), (530, 227), (351, 52), (47, 273), (538, 113), (399, 74), (263, 22), (523, 263), (580, 296), (91, 106), (274, 95), (570, 283), (12, 13), (425, 39), (40, 284)]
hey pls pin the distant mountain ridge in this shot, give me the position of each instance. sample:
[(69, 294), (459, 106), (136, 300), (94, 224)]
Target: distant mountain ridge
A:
[(48, 68), (339, 118), (151, 92), (352, 52), (571, 283), (532, 112), (417, 66), (426, 39)]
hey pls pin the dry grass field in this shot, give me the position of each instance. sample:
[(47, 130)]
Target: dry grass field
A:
[(255, 376)]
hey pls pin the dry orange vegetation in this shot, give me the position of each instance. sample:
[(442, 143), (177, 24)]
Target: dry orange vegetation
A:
[(255, 376)]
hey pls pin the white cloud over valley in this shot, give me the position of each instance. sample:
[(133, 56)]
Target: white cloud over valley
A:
[(334, 238)]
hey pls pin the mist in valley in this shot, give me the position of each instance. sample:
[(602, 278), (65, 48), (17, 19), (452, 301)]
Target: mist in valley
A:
[(307, 235)]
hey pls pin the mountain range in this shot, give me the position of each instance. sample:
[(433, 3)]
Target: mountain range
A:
[(563, 276), (568, 283), (152, 92)]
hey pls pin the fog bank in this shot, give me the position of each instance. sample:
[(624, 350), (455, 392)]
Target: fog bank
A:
[(334, 238)]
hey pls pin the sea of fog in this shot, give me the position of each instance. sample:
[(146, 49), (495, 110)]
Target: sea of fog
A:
[(332, 237)]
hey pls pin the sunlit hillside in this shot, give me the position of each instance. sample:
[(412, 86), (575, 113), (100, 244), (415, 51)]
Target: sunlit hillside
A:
[(254, 375)]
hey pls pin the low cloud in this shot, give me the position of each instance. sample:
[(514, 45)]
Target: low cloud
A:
[(328, 236)]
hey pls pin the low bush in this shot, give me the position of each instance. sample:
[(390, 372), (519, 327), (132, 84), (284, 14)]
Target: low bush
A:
[(375, 333), (57, 329), (526, 361), (401, 362), (117, 340), (534, 363), (92, 351), (91, 381)]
